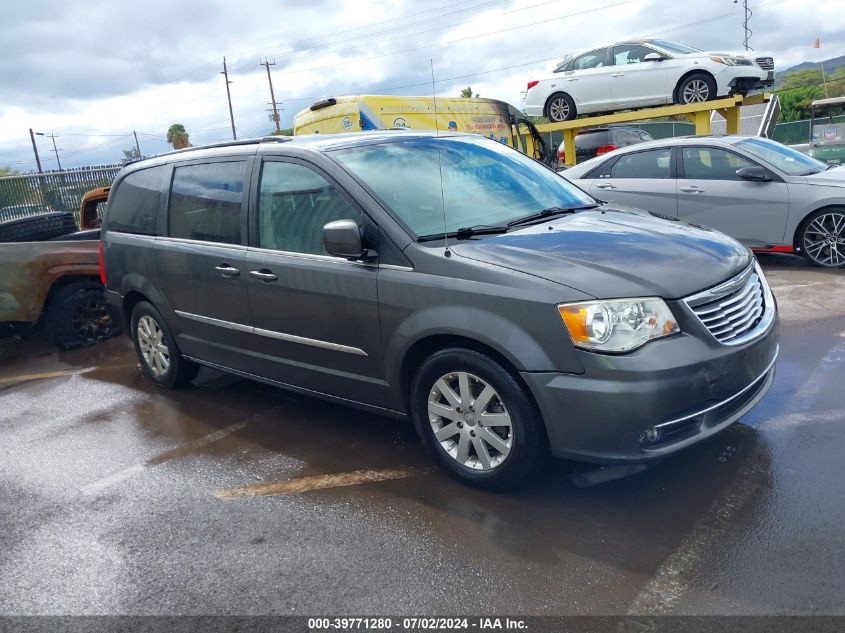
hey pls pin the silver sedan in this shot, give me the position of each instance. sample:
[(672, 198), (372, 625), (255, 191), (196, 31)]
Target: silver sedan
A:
[(768, 196)]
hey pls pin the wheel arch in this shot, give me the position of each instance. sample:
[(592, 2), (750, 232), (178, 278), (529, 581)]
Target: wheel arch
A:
[(689, 73), (796, 236), (60, 283)]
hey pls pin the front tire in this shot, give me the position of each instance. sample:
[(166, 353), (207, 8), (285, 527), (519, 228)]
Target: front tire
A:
[(560, 107), (822, 238), (696, 88), (477, 419), (157, 350)]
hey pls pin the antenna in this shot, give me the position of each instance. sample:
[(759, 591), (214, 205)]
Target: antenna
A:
[(447, 252)]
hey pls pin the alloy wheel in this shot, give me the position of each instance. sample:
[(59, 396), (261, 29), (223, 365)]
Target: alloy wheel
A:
[(470, 421), (559, 109), (153, 346), (824, 239), (696, 91)]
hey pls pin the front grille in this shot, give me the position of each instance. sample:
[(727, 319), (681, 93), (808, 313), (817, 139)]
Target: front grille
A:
[(766, 63), (734, 313)]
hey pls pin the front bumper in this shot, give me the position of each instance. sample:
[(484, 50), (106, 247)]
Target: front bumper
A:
[(683, 389)]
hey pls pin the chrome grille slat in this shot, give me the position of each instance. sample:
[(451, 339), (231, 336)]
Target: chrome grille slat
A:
[(734, 314), (766, 63)]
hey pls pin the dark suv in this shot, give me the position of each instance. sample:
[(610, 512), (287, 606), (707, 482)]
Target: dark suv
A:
[(601, 140), (446, 278)]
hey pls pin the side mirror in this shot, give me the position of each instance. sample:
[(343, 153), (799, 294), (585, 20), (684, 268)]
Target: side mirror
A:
[(653, 57), (755, 173), (342, 238)]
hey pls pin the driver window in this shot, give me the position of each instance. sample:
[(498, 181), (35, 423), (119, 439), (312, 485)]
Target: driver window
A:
[(294, 204), (709, 163), (630, 54), (593, 59)]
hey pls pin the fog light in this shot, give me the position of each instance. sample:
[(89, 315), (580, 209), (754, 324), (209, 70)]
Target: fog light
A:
[(650, 435)]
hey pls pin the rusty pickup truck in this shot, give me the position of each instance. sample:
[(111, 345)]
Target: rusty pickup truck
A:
[(50, 275)]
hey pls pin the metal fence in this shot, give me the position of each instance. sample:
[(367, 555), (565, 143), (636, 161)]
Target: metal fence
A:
[(31, 194), (797, 132)]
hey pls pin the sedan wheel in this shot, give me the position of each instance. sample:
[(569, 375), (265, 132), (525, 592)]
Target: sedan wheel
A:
[(823, 240), (153, 347), (561, 108), (696, 91), (470, 421)]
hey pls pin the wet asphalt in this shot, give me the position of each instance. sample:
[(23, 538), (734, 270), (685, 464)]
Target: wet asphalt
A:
[(231, 497)]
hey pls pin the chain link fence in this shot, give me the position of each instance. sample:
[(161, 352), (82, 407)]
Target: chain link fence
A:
[(31, 194)]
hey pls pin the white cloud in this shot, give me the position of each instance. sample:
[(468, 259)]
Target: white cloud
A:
[(101, 68)]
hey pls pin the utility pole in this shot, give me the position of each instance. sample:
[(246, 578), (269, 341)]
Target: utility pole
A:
[(267, 63), (225, 74), (55, 150), (35, 149), (137, 145), (748, 32)]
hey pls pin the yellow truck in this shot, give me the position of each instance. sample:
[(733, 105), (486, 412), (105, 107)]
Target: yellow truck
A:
[(494, 119)]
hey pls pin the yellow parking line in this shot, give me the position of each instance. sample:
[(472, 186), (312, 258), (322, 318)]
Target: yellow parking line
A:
[(318, 482)]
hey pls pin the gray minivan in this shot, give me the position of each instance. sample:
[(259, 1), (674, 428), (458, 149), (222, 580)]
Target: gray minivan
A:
[(446, 278)]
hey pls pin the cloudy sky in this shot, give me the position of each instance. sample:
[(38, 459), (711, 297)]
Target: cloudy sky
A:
[(92, 72)]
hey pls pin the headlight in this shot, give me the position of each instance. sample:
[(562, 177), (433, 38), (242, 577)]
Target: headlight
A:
[(617, 325), (730, 61)]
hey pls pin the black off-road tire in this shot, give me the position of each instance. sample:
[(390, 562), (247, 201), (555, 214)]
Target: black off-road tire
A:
[(180, 370), (530, 443), (37, 228), (76, 316)]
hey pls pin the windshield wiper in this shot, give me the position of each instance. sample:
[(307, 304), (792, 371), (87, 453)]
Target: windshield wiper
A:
[(545, 213), (466, 232), (811, 172)]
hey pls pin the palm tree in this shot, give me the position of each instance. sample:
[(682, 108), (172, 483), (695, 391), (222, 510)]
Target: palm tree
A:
[(466, 93), (178, 137)]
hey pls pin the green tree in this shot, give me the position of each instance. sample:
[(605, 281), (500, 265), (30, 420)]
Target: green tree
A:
[(131, 153), (800, 78), (178, 137), (466, 93), (795, 102)]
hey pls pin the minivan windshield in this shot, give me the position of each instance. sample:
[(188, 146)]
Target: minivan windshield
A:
[(436, 185), (788, 160)]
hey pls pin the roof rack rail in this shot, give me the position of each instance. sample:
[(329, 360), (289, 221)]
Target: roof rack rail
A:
[(275, 138)]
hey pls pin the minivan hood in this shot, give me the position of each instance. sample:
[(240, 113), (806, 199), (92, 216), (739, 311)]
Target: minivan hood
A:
[(611, 252)]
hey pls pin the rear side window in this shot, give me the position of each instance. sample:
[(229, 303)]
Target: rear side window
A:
[(135, 203), (294, 205), (650, 164), (205, 202), (593, 59)]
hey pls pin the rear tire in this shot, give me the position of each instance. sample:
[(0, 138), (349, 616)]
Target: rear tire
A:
[(477, 419), (36, 228), (560, 107), (157, 350), (696, 88), (76, 316), (822, 238)]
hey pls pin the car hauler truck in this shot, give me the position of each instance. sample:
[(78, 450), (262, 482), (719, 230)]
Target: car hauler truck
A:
[(494, 119)]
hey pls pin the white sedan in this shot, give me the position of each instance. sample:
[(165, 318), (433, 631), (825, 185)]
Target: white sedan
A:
[(641, 74)]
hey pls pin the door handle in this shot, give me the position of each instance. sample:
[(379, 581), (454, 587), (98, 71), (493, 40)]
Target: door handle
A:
[(227, 271), (617, 74), (692, 189), (605, 185), (263, 275), (572, 79)]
